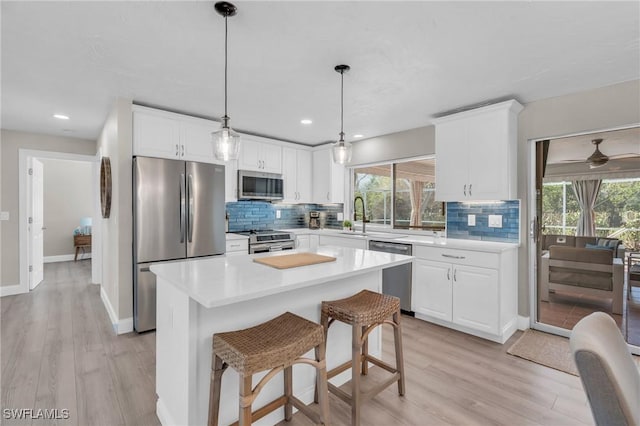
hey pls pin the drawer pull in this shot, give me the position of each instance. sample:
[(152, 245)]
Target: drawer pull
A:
[(452, 256)]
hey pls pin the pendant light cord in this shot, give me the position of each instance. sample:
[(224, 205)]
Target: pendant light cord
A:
[(226, 31), (341, 105)]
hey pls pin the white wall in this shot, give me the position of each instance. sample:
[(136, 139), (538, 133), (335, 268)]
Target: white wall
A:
[(593, 110), (68, 197), (12, 141), (115, 142)]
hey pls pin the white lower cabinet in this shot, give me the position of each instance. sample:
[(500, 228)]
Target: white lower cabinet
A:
[(303, 242), (454, 288), (236, 247)]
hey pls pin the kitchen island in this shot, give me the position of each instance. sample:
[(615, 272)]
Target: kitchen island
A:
[(199, 297)]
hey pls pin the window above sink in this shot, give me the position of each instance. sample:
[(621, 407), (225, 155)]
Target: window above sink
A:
[(399, 195)]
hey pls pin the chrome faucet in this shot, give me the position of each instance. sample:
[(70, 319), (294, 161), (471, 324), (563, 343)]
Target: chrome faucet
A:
[(364, 213)]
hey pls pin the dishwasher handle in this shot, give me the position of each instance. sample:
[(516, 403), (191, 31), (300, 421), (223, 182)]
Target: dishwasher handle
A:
[(390, 247)]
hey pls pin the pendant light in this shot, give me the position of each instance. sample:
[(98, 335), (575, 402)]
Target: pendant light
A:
[(226, 142), (342, 150)]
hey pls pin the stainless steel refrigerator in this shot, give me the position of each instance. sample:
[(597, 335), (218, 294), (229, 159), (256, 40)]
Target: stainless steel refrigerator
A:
[(179, 213)]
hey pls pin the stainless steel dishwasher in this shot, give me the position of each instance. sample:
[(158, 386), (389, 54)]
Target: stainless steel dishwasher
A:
[(396, 281)]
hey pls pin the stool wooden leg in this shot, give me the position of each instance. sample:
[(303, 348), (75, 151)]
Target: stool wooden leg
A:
[(288, 392), (246, 398), (397, 339), (356, 348), (365, 352), (324, 321), (217, 368), (321, 385), (76, 256)]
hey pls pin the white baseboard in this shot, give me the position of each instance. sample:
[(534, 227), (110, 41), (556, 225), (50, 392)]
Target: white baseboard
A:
[(125, 325), (523, 322), (65, 257), (10, 290), (163, 414), (122, 326)]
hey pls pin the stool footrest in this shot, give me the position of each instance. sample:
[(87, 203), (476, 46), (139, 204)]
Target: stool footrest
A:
[(380, 363), (339, 369), (304, 409)]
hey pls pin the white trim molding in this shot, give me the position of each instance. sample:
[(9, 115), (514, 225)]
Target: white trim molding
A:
[(524, 323), (10, 290), (122, 326), (65, 258)]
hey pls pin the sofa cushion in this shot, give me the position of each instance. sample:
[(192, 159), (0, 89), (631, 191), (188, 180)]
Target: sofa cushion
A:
[(598, 247), (609, 242), (568, 269), (581, 242), (558, 240)]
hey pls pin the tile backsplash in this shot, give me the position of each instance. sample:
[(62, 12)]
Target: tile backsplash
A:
[(458, 215), (247, 215)]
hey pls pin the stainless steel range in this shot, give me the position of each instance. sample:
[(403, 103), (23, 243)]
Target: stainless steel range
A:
[(261, 241)]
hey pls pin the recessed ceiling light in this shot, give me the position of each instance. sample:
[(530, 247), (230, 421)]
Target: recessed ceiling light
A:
[(306, 121), (61, 116), (358, 136)]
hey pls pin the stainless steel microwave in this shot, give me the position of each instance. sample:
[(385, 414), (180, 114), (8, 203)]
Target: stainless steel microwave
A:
[(259, 186)]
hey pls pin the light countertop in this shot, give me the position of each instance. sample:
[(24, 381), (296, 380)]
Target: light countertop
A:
[(410, 238), (224, 280)]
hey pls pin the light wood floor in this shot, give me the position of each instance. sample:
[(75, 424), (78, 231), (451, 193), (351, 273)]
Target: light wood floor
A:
[(58, 351)]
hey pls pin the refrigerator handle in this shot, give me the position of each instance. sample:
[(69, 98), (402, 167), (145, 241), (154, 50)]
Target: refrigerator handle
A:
[(182, 207), (191, 207)]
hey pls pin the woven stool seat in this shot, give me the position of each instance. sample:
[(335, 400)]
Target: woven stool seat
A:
[(275, 345), (277, 342), (363, 308)]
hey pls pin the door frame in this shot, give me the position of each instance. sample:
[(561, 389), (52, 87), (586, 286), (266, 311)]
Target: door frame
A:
[(532, 246), (25, 194)]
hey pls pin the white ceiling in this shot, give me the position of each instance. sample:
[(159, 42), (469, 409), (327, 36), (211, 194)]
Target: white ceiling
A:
[(410, 60)]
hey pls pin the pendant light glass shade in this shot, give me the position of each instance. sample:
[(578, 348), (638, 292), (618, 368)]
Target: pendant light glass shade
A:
[(341, 150), (226, 142)]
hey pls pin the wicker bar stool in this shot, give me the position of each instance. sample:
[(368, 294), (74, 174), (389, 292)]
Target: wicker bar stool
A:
[(365, 311), (275, 345)]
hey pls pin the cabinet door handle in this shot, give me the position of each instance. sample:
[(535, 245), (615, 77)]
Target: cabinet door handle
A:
[(177, 150), (448, 274), (470, 185), (183, 150), (452, 256), (455, 272), (465, 190)]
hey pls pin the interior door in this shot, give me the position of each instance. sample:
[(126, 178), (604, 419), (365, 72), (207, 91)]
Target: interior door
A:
[(37, 224)]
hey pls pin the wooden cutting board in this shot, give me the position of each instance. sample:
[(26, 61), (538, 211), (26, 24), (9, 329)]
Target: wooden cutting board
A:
[(294, 260)]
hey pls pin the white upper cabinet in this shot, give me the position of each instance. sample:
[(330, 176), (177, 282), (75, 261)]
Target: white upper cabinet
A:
[(168, 135), (328, 178), (476, 154), (259, 156), (296, 172)]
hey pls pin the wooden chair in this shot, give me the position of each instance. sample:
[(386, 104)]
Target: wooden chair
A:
[(365, 311), (275, 345)]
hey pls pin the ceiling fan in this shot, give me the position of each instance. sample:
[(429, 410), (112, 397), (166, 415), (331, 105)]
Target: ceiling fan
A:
[(598, 159)]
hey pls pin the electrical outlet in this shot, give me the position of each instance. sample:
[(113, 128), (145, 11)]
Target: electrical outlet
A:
[(278, 214), (4, 215), (471, 220), (495, 221)]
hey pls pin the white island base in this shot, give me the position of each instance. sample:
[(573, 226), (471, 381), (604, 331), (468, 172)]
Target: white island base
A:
[(188, 313)]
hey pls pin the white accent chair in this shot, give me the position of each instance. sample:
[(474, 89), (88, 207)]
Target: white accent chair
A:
[(607, 370)]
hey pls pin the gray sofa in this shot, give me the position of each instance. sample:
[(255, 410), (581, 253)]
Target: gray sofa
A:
[(587, 271)]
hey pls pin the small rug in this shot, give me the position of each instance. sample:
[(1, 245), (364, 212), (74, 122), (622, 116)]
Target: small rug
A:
[(546, 349)]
